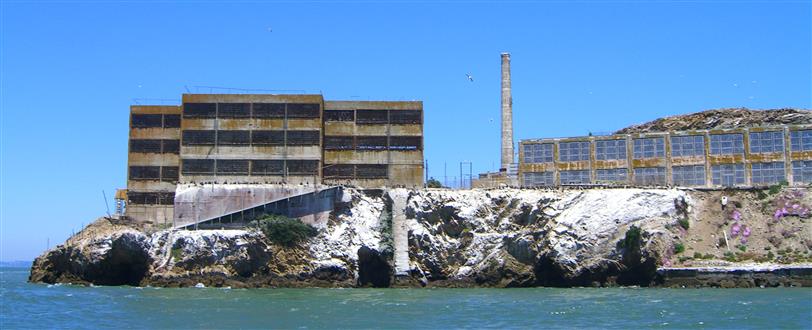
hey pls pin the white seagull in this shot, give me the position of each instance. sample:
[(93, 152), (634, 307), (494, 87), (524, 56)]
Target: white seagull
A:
[(470, 78)]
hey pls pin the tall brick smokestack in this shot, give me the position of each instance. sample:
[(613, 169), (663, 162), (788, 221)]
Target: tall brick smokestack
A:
[(507, 114)]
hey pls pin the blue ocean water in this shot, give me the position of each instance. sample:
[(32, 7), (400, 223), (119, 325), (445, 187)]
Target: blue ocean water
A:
[(27, 305)]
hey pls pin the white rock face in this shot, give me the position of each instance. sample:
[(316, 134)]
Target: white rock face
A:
[(364, 223), (578, 229), (496, 237)]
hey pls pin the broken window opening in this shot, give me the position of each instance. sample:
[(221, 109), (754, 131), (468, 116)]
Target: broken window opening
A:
[(405, 143), (192, 138), (232, 166), (268, 110), (169, 173), (303, 138), (268, 138), (371, 171), (304, 110), (339, 115), (199, 110), (405, 117), (370, 143), (233, 110), (145, 146), (146, 121), (145, 172), (171, 121), (302, 167), (338, 143), (372, 116), (234, 138), (170, 146), (166, 198), (267, 167), (338, 171), (197, 166), (144, 198)]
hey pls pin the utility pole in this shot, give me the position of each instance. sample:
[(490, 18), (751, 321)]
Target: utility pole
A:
[(426, 167)]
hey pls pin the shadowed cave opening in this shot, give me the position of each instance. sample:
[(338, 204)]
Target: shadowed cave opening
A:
[(373, 269), (125, 264)]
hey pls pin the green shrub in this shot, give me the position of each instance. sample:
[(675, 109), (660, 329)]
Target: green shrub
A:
[(632, 239), (434, 183), (697, 255), (708, 256), (684, 223), (774, 189), (176, 253), (729, 256), (770, 255), (762, 195), (679, 248), (743, 247), (283, 230)]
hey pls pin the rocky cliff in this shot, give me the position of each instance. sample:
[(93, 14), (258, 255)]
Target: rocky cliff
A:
[(499, 238), (723, 118)]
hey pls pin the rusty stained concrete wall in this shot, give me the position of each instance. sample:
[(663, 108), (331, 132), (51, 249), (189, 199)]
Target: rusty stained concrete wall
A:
[(157, 214), (405, 168), (253, 98), (351, 128), (280, 152), (251, 124), (746, 158)]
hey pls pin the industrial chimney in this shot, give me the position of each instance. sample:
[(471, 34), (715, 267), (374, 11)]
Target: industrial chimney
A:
[(507, 115)]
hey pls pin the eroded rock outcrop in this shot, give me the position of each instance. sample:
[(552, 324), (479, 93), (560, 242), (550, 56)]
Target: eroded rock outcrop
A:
[(531, 237), (496, 238), (723, 118)]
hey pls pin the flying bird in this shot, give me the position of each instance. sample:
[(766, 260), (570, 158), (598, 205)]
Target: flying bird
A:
[(470, 78)]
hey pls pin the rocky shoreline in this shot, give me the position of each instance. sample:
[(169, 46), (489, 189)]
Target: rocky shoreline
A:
[(474, 238)]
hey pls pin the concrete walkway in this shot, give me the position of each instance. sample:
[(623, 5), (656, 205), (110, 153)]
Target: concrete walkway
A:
[(399, 231)]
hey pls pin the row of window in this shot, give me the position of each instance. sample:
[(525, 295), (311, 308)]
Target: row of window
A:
[(244, 138), (156, 146), (154, 121), (251, 110), (150, 198), (154, 173), (357, 171), (373, 143), (375, 116), (681, 146), (249, 167), (691, 175)]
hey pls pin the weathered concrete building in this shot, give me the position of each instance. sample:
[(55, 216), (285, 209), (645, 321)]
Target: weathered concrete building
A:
[(756, 156), (262, 139), (373, 144), (153, 158)]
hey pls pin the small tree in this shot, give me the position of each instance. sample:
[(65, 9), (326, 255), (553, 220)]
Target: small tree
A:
[(434, 183), (283, 230)]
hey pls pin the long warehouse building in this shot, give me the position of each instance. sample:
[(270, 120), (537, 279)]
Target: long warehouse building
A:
[(740, 157)]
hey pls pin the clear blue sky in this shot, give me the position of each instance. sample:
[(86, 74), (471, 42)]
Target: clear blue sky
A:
[(70, 69)]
